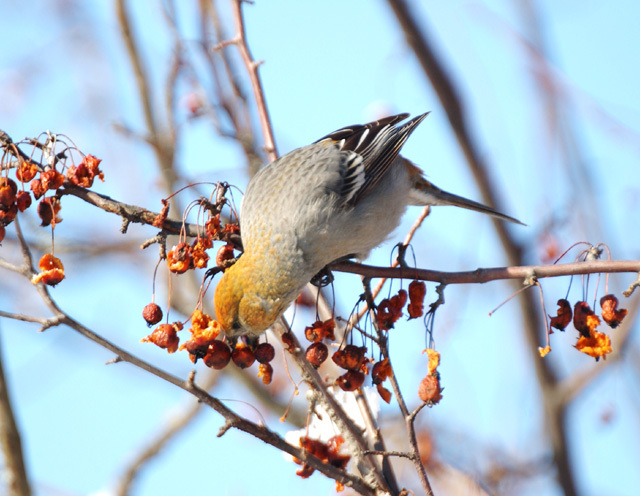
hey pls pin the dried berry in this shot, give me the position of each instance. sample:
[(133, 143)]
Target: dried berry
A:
[(165, 337), (229, 229), (199, 257), (335, 458), (23, 201), (390, 310), (544, 351), (381, 371), (351, 380), (84, 174), (196, 351), (265, 371), (224, 253), (610, 312), (584, 319), (429, 390), (563, 317), (597, 345), (179, 258), (306, 471), (243, 356), (7, 215), (212, 226), (51, 270), (218, 355), (289, 341), (351, 357), (434, 360), (8, 192), (48, 210), (328, 453), (26, 172), (203, 329), (320, 330), (37, 188), (51, 179), (384, 393), (152, 313), (417, 292), (265, 353), (305, 299), (317, 353)]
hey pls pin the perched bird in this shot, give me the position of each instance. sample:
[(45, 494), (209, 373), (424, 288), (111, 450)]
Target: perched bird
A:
[(340, 196)]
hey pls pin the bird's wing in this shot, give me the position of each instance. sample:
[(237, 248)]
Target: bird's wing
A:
[(370, 149)]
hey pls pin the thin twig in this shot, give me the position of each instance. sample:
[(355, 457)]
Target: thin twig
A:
[(407, 240), (256, 84), (409, 418), (377, 440)]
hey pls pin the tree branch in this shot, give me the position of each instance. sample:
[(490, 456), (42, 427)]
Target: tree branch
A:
[(483, 275), (256, 84), (14, 472)]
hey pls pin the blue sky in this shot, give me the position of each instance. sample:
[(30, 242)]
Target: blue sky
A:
[(329, 64)]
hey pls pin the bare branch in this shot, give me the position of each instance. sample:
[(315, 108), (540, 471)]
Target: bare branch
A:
[(132, 213), (483, 275), (256, 84), (232, 419), (14, 472)]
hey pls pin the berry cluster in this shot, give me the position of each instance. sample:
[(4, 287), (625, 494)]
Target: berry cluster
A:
[(204, 344), (590, 341), (34, 178)]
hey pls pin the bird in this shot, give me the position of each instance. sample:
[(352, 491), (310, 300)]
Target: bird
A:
[(338, 197)]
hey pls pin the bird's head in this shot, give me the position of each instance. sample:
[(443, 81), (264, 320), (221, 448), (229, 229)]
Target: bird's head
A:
[(242, 306)]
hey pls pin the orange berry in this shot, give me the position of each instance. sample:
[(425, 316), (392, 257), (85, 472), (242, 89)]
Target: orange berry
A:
[(265, 371), (165, 337), (429, 390), (152, 313)]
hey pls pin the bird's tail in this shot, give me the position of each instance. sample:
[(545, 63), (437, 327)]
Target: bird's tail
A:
[(425, 193)]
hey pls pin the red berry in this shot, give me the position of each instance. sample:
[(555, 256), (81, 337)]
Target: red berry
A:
[(218, 355), (265, 353)]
